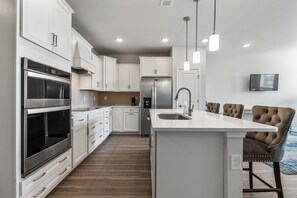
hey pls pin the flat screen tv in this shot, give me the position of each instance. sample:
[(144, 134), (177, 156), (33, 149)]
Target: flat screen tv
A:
[(264, 82)]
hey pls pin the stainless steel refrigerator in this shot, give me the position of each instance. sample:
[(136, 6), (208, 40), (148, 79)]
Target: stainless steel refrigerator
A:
[(155, 93)]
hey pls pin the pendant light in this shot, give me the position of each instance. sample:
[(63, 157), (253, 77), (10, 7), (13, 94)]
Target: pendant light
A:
[(187, 63), (214, 39), (196, 54)]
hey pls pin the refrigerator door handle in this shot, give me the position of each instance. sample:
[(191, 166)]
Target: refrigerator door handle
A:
[(154, 97), (156, 105)]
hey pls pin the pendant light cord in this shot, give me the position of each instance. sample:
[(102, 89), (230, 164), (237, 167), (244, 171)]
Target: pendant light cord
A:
[(187, 40), (196, 47), (215, 15)]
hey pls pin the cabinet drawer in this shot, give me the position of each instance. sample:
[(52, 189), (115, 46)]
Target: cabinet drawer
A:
[(33, 181), (93, 127), (79, 119), (92, 142), (95, 115), (131, 110), (44, 188)]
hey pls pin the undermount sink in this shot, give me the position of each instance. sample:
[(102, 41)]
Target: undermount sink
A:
[(173, 116)]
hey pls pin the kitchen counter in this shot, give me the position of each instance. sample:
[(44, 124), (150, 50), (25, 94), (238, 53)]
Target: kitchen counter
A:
[(200, 157)]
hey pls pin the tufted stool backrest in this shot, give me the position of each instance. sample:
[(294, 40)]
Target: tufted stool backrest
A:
[(274, 116), (233, 110), (213, 107)]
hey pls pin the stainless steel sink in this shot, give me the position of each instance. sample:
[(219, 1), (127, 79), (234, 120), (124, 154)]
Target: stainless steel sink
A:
[(173, 116)]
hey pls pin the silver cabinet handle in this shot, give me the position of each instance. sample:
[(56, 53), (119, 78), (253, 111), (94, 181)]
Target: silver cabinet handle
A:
[(63, 171), (93, 142), (97, 84), (43, 174), (43, 189), (93, 127), (53, 39), (81, 120), (56, 40), (63, 159), (105, 85)]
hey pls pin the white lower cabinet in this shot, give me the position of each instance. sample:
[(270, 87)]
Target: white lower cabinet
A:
[(40, 183), (79, 139), (95, 129), (107, 120), (126, 119)]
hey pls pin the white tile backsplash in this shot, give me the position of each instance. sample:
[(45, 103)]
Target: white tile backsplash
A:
[(81, 98)]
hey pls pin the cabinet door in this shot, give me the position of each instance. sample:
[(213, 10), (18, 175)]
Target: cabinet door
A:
[(110, 73), (124, 78), (37, 22), (79, 145), (131, 122), (148, 67), (99, 75), (134, 78), (117, 119), (62, 29), (163, 67)]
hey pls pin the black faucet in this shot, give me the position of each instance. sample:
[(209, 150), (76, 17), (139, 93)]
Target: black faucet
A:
[(191, 107)]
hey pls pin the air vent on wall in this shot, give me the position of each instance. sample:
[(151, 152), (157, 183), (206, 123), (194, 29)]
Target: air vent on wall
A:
[(166, 3)]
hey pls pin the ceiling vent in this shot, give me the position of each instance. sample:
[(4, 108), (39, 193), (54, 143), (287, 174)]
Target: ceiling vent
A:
[(166, 3)]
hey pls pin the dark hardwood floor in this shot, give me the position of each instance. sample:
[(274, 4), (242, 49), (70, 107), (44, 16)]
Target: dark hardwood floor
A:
[(120, 168)]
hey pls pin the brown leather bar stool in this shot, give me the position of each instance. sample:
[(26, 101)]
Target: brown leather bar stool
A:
[(267, 147), (233, 110), (213, 107)]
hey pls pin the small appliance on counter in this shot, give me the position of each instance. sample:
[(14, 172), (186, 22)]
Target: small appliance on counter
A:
[(133, 101)]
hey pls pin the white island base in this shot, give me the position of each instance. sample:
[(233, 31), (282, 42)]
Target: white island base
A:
[(192, 158)]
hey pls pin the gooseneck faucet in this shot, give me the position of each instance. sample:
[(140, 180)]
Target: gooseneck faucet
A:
[(191, 107)]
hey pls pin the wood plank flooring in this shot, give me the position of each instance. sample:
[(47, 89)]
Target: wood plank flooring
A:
[(120, 168)]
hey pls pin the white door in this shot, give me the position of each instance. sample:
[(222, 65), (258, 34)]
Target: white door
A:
[(62, 29), (110, 72), (37, 22), (188, 79), (131, 122), (134, 78), (148, 67), (124, 77), (163, 67), (99, 74), (79, 145), (117, 119)]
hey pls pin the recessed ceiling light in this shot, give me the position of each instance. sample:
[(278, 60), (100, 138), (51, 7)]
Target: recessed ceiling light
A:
[(165, 40), (247, 45), (119, 40), (204, 40)]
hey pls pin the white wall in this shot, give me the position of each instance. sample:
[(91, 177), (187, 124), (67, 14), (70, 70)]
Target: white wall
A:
[(228, 76), (178, 59), (7, 102)]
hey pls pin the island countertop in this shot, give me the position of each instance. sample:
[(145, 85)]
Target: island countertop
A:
[(205, 121)]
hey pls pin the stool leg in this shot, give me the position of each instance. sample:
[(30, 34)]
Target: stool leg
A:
[(251, 175), (278, 181)]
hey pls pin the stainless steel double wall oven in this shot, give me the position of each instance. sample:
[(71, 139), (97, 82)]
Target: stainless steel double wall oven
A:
[(46, 114)]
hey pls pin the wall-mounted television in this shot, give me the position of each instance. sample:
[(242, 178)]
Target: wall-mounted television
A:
[(264, 82)]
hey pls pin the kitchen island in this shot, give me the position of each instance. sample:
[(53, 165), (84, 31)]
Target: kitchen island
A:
[(200, 157)]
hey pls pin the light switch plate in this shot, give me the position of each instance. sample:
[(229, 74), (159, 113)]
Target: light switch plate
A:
[(236, 162)]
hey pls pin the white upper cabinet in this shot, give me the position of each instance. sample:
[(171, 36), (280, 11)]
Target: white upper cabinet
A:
[(110, 77), (93, 81), (128, 77), (155, 66), (48, 24)]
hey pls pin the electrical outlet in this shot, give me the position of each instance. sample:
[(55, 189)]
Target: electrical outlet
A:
[(136, 98), (94, 98), (105, 97), (236, 162), (84, 98)]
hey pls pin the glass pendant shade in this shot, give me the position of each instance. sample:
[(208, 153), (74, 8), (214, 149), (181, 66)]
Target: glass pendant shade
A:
[(196, 57), (186, 65), (214, 42)]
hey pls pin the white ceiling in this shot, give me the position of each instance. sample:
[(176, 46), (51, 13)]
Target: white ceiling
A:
[(142, 24)]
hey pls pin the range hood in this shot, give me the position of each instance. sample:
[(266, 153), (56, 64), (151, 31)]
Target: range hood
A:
[(82, 59)]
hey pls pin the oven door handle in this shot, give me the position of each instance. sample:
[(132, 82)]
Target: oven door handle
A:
[(45, 110), (47, 77)]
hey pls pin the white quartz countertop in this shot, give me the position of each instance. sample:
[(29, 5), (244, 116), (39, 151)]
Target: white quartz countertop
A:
[(204, 121)]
